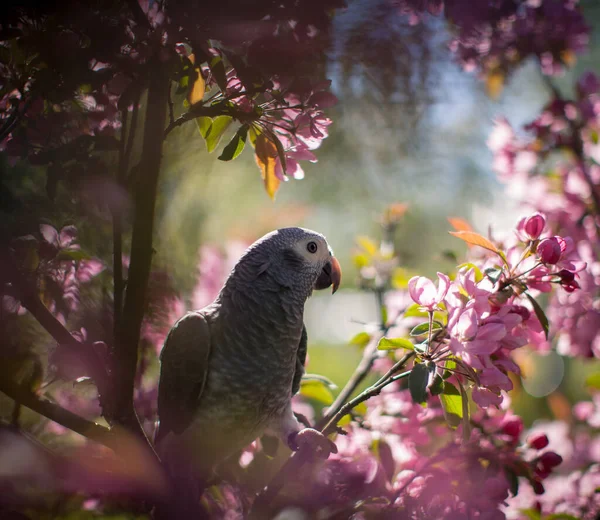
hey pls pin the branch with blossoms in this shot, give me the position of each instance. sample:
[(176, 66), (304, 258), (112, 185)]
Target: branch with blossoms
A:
[(458, 347), (281, 116)]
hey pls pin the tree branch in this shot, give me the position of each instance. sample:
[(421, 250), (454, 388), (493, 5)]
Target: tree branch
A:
[(359, 375), (58, 414), (9, 274), (118, 235), (125, 353), (367, 394)]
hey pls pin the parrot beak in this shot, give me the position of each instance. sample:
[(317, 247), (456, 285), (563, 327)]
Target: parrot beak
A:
[(330, 276)]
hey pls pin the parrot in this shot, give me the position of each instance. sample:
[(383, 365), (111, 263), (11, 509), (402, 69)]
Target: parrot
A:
[(228, 372)]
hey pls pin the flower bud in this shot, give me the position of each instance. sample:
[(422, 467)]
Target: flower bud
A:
[(521, 311), (513, 427), (566, 276), (538, 487), (534, 225), (538, 442), (549, 460), (549, 250)]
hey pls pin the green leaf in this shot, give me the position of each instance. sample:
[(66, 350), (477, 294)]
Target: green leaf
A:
[(493, 273), (418, 381), (593, 381), (236, 146), (466, 418), (451, 404), (216, 131), (561, 516), (320, 378), (471, 265), (395, 343), (450, 365), (384, 314), (361, 339), (539, 312), (423, 328), (217, 67), (204, 123), (383, 452), (414, 310), (532, 514), (316, 390), (72, 254), (359, 409), (421, 348)]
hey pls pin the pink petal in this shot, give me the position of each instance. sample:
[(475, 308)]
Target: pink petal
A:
[(491, 332), (444, 285), (49, 233), (67, 235)]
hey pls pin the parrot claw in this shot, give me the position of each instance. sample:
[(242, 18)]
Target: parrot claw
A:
[(313, 440)]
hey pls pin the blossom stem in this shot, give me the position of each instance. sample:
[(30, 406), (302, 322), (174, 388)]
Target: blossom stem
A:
[(368, 393), (430, 313)]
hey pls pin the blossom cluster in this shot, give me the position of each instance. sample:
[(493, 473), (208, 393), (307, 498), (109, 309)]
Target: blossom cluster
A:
[(66, 105), (494, 38), (557, 168), (488, 313)]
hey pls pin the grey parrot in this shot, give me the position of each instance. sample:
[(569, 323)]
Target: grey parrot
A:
[(229, 371)]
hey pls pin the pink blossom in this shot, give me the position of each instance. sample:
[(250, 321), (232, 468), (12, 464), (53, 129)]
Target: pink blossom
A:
[(423, 291), (534, 225), (549, 250)]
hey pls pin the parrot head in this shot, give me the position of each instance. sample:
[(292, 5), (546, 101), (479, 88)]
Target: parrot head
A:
[(295, 257), (314, 255)]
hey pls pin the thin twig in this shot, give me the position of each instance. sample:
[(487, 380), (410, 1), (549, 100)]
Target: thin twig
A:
[(363, 396), (364, 367), (359, 375)]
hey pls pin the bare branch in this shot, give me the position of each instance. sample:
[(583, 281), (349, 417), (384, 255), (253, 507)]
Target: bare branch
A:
[(58, 414), (125, 353)]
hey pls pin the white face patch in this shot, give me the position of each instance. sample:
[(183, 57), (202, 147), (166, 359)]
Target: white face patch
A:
[(314, 249)]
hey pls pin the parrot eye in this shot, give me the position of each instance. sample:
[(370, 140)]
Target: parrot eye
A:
[(311, 247)]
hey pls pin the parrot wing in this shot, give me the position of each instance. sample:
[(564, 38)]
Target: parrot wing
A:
[(300, 361), (184, 369)]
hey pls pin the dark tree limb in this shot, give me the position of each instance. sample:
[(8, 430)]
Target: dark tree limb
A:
[(27, 295), (58, 414), (125, 353)]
